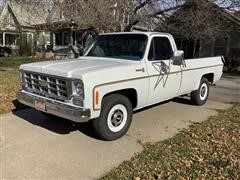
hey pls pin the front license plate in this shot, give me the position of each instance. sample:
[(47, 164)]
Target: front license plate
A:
[(40, 105)]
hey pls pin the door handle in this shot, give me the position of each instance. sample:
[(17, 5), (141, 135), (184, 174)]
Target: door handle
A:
[(140, 70)]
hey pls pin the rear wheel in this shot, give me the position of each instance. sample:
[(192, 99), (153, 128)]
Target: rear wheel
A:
[(200, 96), (115, 118)]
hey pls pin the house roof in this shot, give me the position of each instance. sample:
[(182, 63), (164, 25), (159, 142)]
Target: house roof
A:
[(234, 17), (26, 15), (212, 19), (55, 16)]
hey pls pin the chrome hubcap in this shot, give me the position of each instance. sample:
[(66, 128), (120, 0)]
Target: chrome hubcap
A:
[(203, 91), (117, 118)]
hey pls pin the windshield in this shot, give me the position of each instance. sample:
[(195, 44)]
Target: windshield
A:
[(121, 46)]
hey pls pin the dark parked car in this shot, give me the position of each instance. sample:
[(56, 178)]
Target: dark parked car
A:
[(5, 51)]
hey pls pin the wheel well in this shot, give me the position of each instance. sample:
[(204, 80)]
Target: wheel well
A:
[(131, 94), (210, 77)]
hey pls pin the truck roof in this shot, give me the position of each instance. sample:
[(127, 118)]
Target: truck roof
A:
[(146, 33)]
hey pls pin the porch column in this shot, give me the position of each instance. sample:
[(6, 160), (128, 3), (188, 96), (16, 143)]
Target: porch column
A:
[(228, 44), (62, 35), (4, 39), (75, 43), (72, 25), (52, 39), (71, 37)]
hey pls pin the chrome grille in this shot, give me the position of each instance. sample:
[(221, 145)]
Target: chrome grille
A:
[(48, 86)]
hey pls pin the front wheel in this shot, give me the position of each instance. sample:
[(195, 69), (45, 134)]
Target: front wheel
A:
[(115, 118), (200, 96)]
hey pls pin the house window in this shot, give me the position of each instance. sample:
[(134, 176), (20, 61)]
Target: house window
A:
[(58, 39), (220, 48), (9, 19), (190, 47), (66, 40), (1, 38), (79, 38), (11, 39), (62, 38), (61, 14)]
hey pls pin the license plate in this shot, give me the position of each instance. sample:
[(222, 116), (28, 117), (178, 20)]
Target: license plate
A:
[(40, 105)]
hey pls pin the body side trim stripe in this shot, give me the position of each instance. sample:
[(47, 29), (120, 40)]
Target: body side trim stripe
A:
[(144, 77)]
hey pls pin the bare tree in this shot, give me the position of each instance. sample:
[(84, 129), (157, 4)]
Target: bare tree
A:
[(119, 15), (201, 19), (115, 15), (104, 15)]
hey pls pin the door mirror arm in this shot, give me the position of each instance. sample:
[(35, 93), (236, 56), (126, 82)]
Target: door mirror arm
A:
[(178, 57)]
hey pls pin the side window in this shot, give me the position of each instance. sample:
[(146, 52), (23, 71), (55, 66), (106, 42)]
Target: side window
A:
[(160, 49)]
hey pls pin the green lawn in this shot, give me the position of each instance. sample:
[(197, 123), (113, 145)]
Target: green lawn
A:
[(15, 62), (207, 150)]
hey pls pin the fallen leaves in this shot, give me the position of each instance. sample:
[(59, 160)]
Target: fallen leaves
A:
[(9, 85), (207, 150)]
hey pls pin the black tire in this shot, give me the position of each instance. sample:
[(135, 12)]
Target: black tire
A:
[(101, 124), (200, 96)]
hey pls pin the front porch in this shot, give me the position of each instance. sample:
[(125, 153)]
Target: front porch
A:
[(69, 41), (9, 39), (64, 38)]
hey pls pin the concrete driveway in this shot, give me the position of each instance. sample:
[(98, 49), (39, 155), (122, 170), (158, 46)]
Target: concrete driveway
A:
[(35, 147), (227, 90)]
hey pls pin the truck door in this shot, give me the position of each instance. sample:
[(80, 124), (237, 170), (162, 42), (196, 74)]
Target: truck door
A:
[(164, 77)]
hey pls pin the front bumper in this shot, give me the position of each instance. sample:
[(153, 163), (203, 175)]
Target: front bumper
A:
[(73, 113)]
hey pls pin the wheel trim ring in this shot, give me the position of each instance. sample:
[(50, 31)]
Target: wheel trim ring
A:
[(203, 92), (124, 119)]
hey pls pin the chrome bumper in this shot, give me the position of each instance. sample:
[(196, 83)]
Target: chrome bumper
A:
[(76, 114)]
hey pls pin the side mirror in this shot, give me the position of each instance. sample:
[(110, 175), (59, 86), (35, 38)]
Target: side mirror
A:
[(178, 57)]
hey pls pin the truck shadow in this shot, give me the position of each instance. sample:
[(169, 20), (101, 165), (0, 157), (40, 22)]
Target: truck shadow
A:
[(56, 125), (179, 100), (64, 127), (182, 100)]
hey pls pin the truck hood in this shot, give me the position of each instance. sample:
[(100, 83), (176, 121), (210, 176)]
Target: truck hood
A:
[(71, 68)]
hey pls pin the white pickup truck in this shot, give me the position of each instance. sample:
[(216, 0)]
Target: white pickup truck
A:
[(119, 73)]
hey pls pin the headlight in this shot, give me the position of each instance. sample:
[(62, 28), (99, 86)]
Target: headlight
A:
[(21, 75), (79, 88)]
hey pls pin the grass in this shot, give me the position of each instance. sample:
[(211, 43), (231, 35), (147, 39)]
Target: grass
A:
[(15, 62), (9, 85), (207, 150), (9, 80)]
